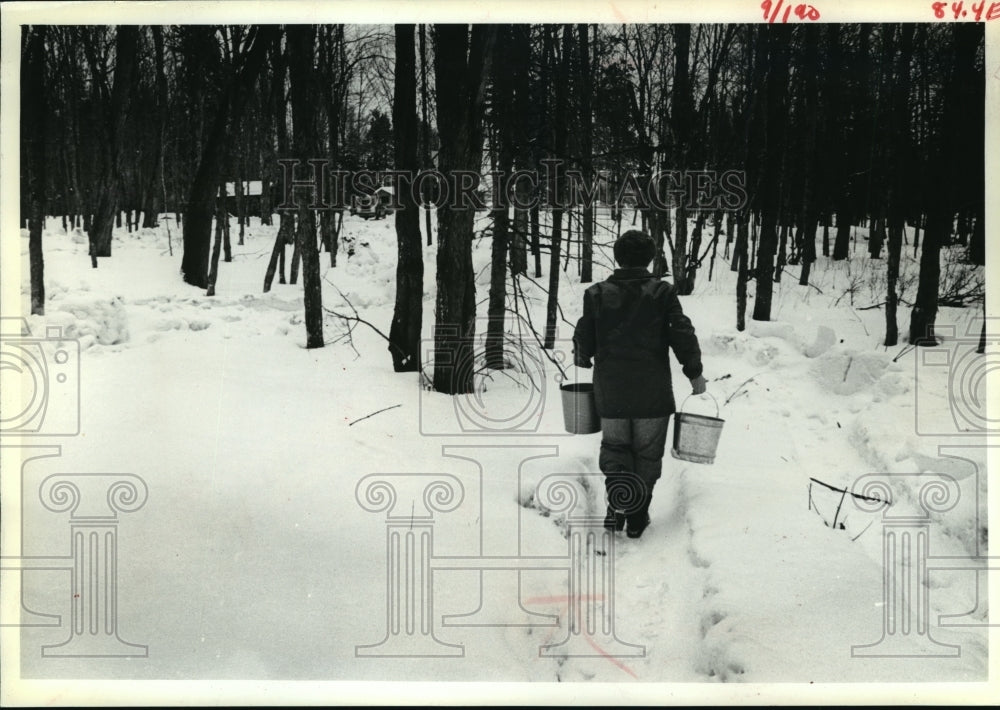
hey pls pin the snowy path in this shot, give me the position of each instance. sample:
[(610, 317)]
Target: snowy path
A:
[(663, 582), (254, 559)]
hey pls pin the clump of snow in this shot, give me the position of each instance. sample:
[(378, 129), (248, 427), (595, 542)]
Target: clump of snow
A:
[(772, 329), (99, 321), (848, 371), (168, 324), (825, 339), (174, 323), (722, 343)]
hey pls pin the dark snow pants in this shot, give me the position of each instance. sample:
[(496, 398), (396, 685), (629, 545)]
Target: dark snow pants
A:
[(632, 452)]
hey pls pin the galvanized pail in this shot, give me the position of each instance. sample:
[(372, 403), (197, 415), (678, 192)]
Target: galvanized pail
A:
[(696, 436), (579, 409)]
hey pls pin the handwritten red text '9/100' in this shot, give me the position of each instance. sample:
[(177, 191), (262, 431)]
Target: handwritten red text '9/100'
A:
[(772, 10)]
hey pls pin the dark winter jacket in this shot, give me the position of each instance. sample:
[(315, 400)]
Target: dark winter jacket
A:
[(629, 321)]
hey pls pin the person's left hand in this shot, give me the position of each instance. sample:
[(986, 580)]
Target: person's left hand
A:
[(698, 385), (581, 361)]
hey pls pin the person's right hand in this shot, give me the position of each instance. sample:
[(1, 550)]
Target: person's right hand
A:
[(698, 385)]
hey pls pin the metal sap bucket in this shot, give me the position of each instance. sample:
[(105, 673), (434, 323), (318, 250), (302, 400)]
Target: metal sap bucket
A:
[(579, 408), (696, 437)]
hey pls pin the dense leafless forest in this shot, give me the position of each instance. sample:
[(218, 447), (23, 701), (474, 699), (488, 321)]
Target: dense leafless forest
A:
[(818, 128)]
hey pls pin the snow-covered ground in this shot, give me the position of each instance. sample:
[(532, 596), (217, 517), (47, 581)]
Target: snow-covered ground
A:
[(253, 557)]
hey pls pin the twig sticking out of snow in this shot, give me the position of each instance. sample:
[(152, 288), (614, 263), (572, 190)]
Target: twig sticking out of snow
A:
[(385, 409), (356, 317), (874, 305), (562, 316), (534, 332), (843, 495), (836, 513), (738, 390), (863, 531), (847, 369), (860, 321), (903, 352), (852, 493)]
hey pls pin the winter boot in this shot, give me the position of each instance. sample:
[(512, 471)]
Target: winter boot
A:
[(614, 521), (614, 484), (637, 525), (639, 521)]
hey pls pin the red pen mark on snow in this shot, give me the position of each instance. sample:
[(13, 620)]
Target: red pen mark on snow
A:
[(610, 658), (564, 612)]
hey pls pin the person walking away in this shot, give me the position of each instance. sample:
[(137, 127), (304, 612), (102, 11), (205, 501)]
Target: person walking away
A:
[(630, 322)]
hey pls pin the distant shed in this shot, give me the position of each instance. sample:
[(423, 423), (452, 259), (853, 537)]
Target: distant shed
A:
[(252, 191)]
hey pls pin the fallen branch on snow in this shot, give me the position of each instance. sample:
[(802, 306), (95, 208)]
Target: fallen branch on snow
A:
[(843, 495), (738, 390), (386, 409), (903, 352)]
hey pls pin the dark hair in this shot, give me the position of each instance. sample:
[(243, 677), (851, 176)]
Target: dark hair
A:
[(634, 249)]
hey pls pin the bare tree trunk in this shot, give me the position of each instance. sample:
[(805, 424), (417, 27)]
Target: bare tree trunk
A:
[(213, 270), (876, 238), (461, 67), (70, 70), (693, 263), (407, 317), (301, 50), (742, 271), (265, 200), (842, 240), (536, 240), (327, 222), (293, 268), (201, 196), (278, 251), (776, 88), (34, 95), (286, 219), (782, 258), (808, 215), (924, 312), (503, 90), (717, 221), (586, 148), (519, 243), (126, 48), (520, 61), (958, 103), (977, 243), (425, 132), (151, 206), (558, 194), (682, 117), (240, 199), (227, 247)]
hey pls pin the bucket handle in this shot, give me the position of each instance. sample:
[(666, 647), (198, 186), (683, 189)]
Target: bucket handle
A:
[(714, 400)]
